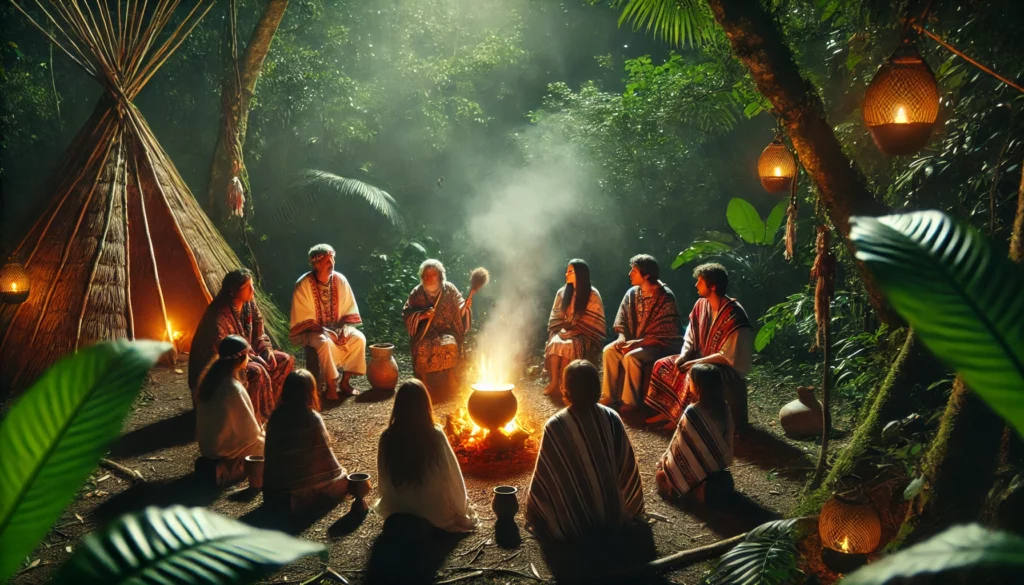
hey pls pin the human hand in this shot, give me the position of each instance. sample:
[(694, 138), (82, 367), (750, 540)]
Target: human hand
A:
[(257, 359), (427, 314), (682, 363), (630, 345), (469, 303), (268, 357), (618, 343)]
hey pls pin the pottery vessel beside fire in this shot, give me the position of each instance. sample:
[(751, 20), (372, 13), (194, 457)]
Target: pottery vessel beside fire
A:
[(505, 503), (492, 406), (382, 371)]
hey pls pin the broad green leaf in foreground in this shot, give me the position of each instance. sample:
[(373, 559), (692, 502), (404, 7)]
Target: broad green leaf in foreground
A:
[(743, 218), (56, 433), (959, 547), (767, 556), (774, 221), (962, 297), (181, 545), (698, 250)]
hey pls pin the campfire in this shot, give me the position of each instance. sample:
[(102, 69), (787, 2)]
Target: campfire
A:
[(490, 421)]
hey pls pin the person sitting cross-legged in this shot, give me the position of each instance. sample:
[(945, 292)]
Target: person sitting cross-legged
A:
[(301, 470), (324, 316), (719, 334), (437, 319), (586, 478), (702, 444), (418, 471), (226, 427)]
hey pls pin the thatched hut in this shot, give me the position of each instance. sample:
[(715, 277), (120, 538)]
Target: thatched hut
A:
[(123, 250)]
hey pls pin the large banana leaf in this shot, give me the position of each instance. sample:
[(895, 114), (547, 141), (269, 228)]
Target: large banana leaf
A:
[(56, 433), (767, 556), (963, 298), (745, 221), (181, 545), (956, 548), (774, 221)]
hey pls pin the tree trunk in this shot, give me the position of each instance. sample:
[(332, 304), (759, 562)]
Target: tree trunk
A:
[(236, 102), (1017, 237), (758, 43), (959, 468)]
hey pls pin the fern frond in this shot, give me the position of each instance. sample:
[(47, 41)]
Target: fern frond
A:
[(678, 22), (767, 556), (379, 199)]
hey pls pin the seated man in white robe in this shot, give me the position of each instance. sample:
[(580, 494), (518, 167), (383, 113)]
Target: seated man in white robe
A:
[(324, 315)]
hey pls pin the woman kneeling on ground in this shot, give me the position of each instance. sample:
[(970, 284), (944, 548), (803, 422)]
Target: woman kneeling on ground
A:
[(418, 471), (226, 427), (301, 469), (702, 444)]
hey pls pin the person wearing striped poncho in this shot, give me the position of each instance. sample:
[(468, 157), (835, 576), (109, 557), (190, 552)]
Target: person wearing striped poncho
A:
[(576, 325), (586, 476), (703, 440)]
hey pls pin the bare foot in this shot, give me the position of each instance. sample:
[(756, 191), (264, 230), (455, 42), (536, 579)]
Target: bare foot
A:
[(550, 389), (669, 426), (331, 394), (346, 388), (656, 419)]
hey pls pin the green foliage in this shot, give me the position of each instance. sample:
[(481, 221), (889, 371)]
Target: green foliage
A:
[(677, 22), (178, 545), (745, 221), (959, 547), (54, 435), (379, 199), (768, 555), (700, 249), (392, 276), (960, 295)]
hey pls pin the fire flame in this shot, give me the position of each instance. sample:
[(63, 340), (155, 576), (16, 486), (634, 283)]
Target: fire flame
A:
[(901, 116), (845, 545), (778, 171), (14, 287), (175, 335)]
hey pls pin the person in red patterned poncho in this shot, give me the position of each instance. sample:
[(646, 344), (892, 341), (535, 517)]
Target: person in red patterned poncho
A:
[(324, 316), (234, 312), (719, 334)]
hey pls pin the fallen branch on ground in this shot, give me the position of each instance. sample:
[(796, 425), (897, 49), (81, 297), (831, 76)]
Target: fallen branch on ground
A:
[(130, 474)]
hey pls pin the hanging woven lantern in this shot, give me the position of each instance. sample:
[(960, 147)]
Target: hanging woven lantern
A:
[(14, 283), (849, 529), (776, 167), (902, 102)]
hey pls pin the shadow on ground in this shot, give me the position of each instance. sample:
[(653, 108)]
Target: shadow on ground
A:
[(169, 432), (187, 490), (409, 551), (767, 451), (599, 557)]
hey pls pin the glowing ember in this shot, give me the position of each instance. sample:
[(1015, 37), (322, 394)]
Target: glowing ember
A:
[(901, 116), (469, 438), (845, 545)]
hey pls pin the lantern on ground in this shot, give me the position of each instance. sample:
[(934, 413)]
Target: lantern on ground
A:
[(849, 529), (14, 283), (776, 167), (902, 102)]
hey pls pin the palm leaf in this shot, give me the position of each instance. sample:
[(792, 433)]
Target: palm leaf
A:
[(181, 545), (961, 296), (313, 180), (745, 221), (678, 22), (766, 556), (958, 547), (56, 433)]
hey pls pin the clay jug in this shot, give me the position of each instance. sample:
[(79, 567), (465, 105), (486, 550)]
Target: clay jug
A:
[(505, 503), (382, 371), (801, 418)]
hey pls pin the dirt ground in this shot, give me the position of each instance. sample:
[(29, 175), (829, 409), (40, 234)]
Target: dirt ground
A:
[(158, 441)]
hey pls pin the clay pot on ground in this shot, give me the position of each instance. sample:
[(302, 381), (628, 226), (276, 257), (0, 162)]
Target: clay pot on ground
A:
[(382, 371), (505, 503), (359, 487), (801, 418), (254, 469)]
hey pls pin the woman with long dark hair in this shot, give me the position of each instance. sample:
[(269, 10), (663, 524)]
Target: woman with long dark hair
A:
[(703, 440), (576, 325), (301, 468), (226, 427), (418, 471)]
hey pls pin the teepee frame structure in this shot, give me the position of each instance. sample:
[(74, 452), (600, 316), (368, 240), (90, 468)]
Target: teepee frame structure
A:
[(123, 250)]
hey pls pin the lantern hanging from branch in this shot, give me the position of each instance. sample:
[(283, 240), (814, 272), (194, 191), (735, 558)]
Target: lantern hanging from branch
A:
[(902, 102), (849, 529), (776, 167), (14, 283)]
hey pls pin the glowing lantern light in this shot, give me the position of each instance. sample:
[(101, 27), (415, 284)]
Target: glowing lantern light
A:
[(776, 167), (902, 102), (14, 283), (849, 529)]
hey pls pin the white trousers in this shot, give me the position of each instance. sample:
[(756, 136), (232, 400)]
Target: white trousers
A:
[(350, 358), (624, 374)]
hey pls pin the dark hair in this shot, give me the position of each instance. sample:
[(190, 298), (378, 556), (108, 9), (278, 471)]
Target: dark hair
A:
[(299, 391), (582, 287), (715, 275), (581, 385), (407, 446), (647, 266), (230, 353), (707, 382), (232, 283)]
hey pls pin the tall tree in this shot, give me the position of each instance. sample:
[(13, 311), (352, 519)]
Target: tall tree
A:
[(237, 90)]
